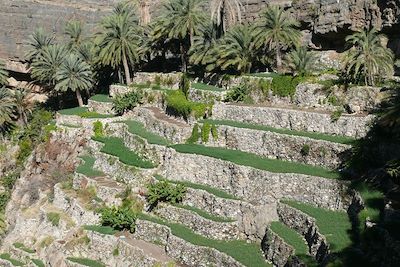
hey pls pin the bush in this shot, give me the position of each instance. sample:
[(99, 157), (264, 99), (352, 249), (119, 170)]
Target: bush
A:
[(285, 85), (205, 132), (178, 104), (164, 191), (194, 137), (98, 129), (214, 132), (305, 150), (119, 218), (184, 85), (238, 94), (124, 103), (54, 218), (335, 116)]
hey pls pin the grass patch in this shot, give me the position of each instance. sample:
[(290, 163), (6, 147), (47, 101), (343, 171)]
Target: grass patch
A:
[(101, 98), (105, 230), (38, 263), (115, 146), (206, 87), (290, 236), (318, 136), (86, 168), (84, 113), (21, 246), (73, 111), (373, 200), (86, 262), (334, 225), (7, 257), (249, 254), (138, 128), (54, 218), (205, 214), (255, 161), (214, 191)]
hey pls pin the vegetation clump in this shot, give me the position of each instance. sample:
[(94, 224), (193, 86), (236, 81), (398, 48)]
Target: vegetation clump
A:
[(194, 137), (178, 104), (118, 218), (163, 191), (126, 102)]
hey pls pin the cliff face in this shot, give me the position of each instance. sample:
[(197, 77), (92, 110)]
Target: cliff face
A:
[(325, 21)]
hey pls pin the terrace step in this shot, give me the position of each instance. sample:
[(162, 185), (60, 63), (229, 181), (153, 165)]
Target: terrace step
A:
[(8, 259), (294, 119)]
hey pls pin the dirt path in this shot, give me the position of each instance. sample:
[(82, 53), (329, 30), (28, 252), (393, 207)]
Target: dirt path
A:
[(159, 114)]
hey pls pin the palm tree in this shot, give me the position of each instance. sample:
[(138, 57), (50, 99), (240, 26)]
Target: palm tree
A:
[(7, 108), (74, 30), (201, 50), (275, 30), (45, 66), (37, 42), (118, 41), (3, 74), (368, 59), (75, 75), (183, 20), (236, 50), (24, 103), (301, 61), (226, 13)]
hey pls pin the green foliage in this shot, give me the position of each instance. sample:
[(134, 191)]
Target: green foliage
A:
[(194, 137), (126, 102), (214, 191), (23, 247), (54, 218), (86, 262), (178, 104), (115, 252), (38, 262), (84, 113), (3, 74), (285, 85), (98, 129), (305, 150), (139, 129), (164, 191), (248, 254), (101, 98), (291, 237), (255, 161), (7, 109), (214, 132), (205, 132), (115, 146), (105, 230), (239, 93), (86, 168), (119, 218), (14, 262), (335, 116), (184, 85), (4, 198), (301, 62)]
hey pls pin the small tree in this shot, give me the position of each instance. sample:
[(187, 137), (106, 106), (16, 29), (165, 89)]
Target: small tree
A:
[(24, 103), (7, 108), (300, 61), (3, 74)]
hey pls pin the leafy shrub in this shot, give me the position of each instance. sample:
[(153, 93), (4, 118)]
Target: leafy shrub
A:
[(4, 198), (164, 191), (54, 218), (123, 103), (205, 132), (335, 116), (98, 129), (184, 85), (305, 150), (157, 79), (285, 85), (119, 218), (178, 104), (238, 94), (194, 137), (214, 132)]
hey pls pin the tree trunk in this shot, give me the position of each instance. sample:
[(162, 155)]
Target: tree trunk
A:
[(278, 59), (183, 57), (79, 97), (126, 69), (191, 36)]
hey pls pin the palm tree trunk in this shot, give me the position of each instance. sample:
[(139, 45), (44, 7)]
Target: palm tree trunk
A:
[(79, 97), (191, 36), (183, 57), (278, 59), (126, 69)]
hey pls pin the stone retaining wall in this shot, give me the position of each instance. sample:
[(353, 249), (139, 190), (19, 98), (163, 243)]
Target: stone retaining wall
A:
[(347, 125), (200, 225), (282, 146), (170, 80), (254, 185), (100, 107), (180, 249), (307, 227), (85, 122), (199, 95), (275, 249)]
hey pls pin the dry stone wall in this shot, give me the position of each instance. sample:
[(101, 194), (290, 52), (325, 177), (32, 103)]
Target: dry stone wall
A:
[(100, 107), (299, 120), (275, 249)]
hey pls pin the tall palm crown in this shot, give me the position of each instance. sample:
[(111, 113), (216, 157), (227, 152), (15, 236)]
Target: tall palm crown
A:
[(47, 63), (3, 74), (275, 30), (74, 29), (75, 75), (200, 51), (368, 59), (37, 42), (118, 40), (226, 13), (301, 61), (24, 103), (236, 50), (7, 108)]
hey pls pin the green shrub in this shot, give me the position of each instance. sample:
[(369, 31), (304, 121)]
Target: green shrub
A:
[(164, 191), (119, 218), (285, 85), (178, 104), (8, 181), (335, 116), (93, 115), (124, 103), (115, 252), (4, 198), (238, 94), (54, 218), (157, 79), (305, 150), (205, 132), (214, 132), (38, 262), (98, 129), (194, 137), (184, 85), (86, 262)]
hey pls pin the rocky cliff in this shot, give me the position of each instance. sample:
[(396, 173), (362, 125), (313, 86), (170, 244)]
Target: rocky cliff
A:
[(325, 22)]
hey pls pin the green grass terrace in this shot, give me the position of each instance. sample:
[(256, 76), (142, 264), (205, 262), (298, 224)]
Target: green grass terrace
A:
[(206, 87), (102, 98), (138, 129), (86, 167), (313, 135), (83, 112)]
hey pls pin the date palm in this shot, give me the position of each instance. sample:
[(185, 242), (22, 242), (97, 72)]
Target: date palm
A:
[(74, 30), (76, 75), (118, 41), (368, 59), (37, 42), (7, 108), (275, 30), (46, 64), (3, 74), (301, 61), (226, 13), (201, 50), (24, 103)]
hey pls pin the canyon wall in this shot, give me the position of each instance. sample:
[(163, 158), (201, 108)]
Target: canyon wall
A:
[(325, 22)]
